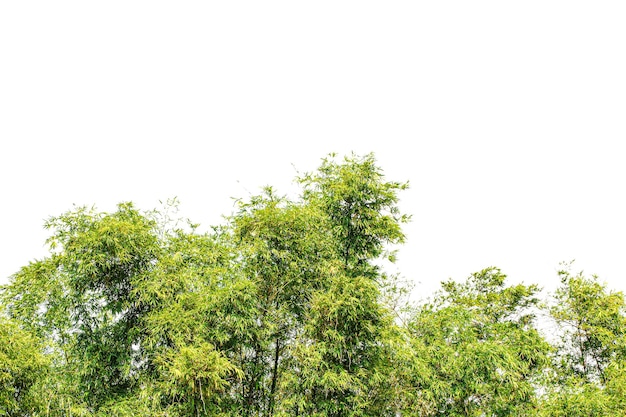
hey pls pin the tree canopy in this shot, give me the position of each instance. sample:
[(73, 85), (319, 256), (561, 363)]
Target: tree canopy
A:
[(286, 309)]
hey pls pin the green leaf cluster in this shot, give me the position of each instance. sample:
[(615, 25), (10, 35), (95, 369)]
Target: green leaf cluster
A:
[(286, 310)]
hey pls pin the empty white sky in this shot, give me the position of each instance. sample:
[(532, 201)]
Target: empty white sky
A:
[(507, 118)]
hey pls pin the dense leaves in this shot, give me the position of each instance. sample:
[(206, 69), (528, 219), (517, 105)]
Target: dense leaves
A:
[(286, 310), (481, 353), (21, 364), (590, 367)]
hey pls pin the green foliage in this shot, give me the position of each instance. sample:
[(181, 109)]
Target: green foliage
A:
[(593, 326), (284, 310), (21, 366), (475, 350), (589, 376), (342, 353), (361, 206), (142, 317)]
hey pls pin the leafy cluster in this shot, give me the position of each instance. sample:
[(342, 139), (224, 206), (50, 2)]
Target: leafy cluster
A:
[(285, 310)]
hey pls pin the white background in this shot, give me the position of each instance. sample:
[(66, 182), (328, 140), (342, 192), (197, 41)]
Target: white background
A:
[(508, 119)]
